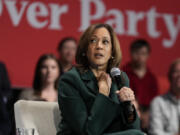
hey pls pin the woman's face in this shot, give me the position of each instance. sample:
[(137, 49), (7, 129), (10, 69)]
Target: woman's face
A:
[(49, 71), (100, 48)]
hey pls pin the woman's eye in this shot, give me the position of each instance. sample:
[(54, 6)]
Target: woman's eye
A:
[(43, 67), (53, 67), (93, 40), (105, 42)]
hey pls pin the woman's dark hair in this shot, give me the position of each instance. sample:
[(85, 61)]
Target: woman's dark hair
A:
[(63, 41), (81, 58), (37, 83), (138, 44)]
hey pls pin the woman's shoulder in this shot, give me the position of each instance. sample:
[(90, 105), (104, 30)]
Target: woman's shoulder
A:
[(72, 74), (70, 82), (124, 73), (125, 78)]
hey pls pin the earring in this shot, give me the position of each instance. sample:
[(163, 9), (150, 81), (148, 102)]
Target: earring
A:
[(112, 57)]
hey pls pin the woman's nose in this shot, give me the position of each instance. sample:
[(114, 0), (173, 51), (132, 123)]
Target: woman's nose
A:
[(99, 45)]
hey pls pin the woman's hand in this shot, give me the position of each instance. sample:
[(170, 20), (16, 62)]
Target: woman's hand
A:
[(104, 83), (125, 94)]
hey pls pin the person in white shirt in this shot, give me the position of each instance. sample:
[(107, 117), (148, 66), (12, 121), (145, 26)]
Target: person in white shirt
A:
[(165, 109)]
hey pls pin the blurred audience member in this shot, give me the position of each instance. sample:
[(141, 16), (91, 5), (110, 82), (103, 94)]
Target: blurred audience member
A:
[(67, 50), (46, 78), (5, 87), (165, 109), (143, 81), (5, 94)]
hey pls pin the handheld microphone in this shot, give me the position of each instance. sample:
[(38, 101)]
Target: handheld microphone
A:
[(116, 74)]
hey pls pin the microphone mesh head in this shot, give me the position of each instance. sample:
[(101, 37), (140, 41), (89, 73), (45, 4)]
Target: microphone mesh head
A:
[(115, 71)]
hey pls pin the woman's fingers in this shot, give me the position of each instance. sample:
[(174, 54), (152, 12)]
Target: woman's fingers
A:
[(125, 94)]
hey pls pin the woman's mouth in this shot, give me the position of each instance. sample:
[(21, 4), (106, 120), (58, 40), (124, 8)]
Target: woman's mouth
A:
[(98, 55)]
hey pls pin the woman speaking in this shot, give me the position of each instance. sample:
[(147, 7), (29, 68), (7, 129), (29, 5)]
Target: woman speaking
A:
[(89, 99)]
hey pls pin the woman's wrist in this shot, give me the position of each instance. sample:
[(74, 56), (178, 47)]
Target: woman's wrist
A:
[(104, 93), (104, 90)]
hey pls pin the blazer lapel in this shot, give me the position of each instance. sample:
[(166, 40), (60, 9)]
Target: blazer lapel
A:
[(90, 81), (113, 94)]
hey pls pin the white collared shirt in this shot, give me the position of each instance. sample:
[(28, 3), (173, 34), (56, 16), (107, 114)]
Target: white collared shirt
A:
[(165, 115)]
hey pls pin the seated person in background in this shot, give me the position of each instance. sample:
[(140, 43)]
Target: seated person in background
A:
[(5, 86), (67, 50), (89, 100), (45, 82), (5, 123), (143, 81), (165, 109), (5, 96)]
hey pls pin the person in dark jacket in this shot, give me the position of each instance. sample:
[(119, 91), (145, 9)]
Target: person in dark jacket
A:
[(89, 100), (5, 95)]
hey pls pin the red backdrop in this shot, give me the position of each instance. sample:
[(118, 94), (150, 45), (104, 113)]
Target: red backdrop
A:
[(30, 28)]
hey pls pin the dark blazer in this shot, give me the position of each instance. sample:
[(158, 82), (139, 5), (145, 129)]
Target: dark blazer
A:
[(87, 112), (5, 87), (5, 93)]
